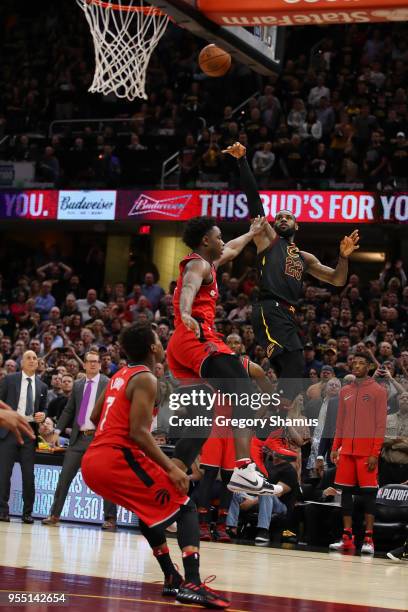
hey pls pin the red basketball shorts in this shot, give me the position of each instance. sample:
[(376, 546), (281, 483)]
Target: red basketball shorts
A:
[(186, 353), (218, 452), (128, 478), (353, 471)]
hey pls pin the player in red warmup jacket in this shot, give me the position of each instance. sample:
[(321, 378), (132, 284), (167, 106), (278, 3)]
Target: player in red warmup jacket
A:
[(360, 430), (196, 350), (125, 464)]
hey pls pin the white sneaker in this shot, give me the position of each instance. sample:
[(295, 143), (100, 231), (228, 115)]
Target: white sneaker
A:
[(345, 544), (249, 480), (367, 547), (398, 554)]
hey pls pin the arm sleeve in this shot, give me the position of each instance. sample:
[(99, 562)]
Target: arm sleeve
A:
[(380, 422), (250, 189)]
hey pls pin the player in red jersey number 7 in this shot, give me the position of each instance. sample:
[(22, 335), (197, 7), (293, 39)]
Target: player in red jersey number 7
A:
[(125, 464), (196, 350)]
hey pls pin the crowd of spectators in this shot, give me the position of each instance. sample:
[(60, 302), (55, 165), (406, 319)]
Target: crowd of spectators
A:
[(52, 314), (337, 113)]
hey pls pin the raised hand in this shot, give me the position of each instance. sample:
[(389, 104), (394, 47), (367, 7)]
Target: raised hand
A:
[(258, 225), (349, 244), (237, 150)]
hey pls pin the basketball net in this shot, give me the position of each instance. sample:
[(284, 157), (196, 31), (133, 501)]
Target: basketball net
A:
[(125, 33)]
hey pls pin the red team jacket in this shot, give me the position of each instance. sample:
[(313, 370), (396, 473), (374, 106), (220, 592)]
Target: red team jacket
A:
[(361, 419)]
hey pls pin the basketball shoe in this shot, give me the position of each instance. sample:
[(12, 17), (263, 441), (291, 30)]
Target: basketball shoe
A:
[(368, 546), (221, 534), (277, 443), (172, 585), (399, 554), (202, 595), (247, 479), (346, 544)]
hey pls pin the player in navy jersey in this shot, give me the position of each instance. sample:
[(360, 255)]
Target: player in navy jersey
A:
[(125, 464), (282, 266)]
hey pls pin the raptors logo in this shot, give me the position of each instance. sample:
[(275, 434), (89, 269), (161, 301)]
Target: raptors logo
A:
[(162, 496)]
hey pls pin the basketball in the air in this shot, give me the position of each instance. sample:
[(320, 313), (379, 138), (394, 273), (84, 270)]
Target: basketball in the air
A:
[(213, 61)]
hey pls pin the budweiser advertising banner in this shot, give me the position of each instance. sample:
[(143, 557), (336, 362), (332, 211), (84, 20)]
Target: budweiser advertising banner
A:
[(308, 206), (135, 206), (302, 12)]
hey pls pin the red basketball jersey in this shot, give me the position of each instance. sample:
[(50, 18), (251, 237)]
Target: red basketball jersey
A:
[(114, 425), (204, 302)]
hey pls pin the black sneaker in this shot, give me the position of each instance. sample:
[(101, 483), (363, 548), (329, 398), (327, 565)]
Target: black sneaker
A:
[(262, 537), (27, 519), (398, 554), (201, 595), (171, 585)]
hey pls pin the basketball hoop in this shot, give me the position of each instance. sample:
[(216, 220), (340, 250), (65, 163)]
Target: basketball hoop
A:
[(125, 33)]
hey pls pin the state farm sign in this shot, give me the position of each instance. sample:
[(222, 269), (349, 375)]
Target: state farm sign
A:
[(303, 12)]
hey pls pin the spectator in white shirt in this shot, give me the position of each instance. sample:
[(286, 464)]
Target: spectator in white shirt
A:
[(317, 92), (262, 163), (90, 300)]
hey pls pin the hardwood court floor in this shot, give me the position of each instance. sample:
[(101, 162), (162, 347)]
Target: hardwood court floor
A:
[(116, 571)]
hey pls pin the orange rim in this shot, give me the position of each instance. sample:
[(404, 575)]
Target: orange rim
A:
[(147, 10)]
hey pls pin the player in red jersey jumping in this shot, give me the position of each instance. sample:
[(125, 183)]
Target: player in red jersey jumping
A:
[(125, 464), (196, 350)]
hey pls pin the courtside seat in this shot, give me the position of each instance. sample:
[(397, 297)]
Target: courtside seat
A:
[(391, 516)]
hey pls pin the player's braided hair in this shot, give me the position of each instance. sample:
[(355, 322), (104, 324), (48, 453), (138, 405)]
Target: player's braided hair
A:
[(136, 341), (195, 230)]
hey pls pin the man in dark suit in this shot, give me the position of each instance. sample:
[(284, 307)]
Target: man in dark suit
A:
[(78, 412), (14, 422), (27, 394)]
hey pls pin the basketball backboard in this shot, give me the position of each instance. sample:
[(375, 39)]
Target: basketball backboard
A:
[(261, 47)]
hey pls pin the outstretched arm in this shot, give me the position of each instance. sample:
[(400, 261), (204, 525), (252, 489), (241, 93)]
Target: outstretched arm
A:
[(234, 247), (250, 189), (194, 274), (334, 276)]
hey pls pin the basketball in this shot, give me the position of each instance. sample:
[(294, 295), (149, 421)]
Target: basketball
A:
[(213, 61)]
